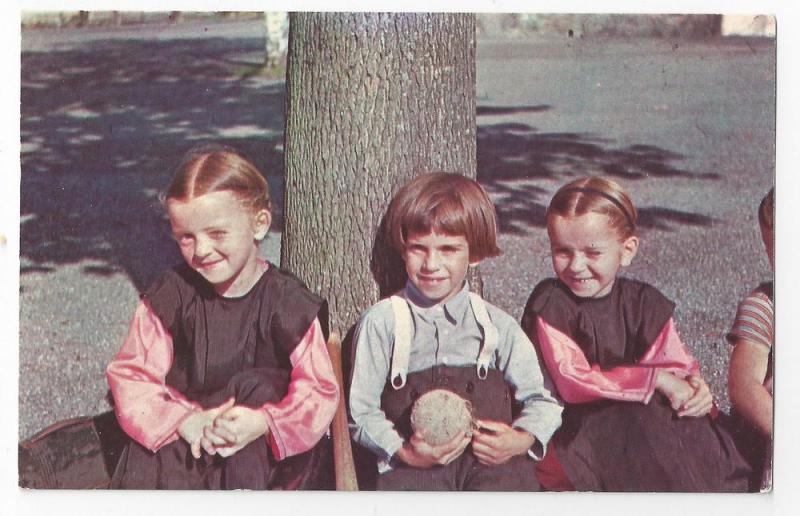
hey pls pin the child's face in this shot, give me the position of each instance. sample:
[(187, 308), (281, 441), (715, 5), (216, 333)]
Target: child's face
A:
[(217, 238), (437, 264), (587, 253)]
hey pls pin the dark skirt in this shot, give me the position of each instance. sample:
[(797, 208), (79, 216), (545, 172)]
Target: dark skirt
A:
[(174, 467), (626, 446)]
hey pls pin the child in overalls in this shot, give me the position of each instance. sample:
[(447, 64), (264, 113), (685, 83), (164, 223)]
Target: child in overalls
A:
[(435, 334)]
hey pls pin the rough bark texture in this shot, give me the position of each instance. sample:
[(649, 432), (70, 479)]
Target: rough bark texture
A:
[(372, 101)]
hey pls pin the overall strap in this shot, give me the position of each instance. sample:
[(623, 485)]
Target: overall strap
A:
[(490, 335), (402, 338), (402, 342)]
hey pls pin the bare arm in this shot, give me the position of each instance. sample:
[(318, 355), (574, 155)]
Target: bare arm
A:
[(746, 374)]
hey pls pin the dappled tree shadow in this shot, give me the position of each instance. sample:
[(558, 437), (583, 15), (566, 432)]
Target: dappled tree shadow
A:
[(509, 110), (664, 218), (103, 127), (514, 158)]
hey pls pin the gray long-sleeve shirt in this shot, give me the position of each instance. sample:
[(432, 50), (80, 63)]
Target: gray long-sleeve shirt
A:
[(444, 334)]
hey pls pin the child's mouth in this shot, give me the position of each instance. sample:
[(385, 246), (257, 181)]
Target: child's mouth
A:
[(206, 266), (431, 281), (580, 282)]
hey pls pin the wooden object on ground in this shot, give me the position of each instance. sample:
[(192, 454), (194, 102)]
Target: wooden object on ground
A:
[(342, 450)]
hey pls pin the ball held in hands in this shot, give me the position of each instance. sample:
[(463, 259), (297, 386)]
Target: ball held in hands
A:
[(439, 415)]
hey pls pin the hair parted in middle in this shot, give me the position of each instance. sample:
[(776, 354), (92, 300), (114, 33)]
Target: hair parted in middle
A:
[(597, 195), (216, 168), (446, 203)]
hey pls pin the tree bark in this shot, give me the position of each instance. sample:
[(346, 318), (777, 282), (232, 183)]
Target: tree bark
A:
[(373, 100)]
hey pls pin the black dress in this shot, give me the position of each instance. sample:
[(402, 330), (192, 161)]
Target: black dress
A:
[(222, 347), (610, 445)]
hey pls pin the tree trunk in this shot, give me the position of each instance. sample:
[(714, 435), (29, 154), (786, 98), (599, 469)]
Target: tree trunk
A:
[(373, 100)]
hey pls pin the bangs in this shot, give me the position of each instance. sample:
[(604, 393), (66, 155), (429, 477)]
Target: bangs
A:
[(448, 204), (443, 215)]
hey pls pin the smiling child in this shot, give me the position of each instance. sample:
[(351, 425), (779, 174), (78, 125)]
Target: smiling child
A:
[(435, 334), (636, 415), (224, 373)]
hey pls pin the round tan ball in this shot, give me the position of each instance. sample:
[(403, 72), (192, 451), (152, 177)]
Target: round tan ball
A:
[(439, 415)]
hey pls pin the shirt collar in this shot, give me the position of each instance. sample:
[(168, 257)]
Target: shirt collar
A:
[(454, 308)]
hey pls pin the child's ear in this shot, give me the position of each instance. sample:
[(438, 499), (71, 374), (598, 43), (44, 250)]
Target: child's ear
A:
[(629, 248), (263, 219)]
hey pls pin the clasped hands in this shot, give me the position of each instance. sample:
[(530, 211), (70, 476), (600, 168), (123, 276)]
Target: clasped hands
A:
[(688, 397), (223, 430), (493, 443)]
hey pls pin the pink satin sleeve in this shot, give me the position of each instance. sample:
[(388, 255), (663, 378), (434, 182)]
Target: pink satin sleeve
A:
[(668, 353), (303, 416), (147, 409), (579, 382)]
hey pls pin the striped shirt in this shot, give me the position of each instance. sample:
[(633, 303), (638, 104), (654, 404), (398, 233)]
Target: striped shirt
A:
[(755, 323), (754, 318)]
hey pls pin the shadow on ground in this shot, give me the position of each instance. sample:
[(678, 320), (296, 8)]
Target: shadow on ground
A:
[(104, 126), (514, 158)]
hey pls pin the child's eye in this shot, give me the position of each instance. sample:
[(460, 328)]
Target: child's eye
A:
[(594, 253), (217, 234), (183, 239)]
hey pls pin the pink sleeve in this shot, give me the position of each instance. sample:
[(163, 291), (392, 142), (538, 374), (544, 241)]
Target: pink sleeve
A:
[(669, 354), (301, 418), (578, 382), (147, 409)]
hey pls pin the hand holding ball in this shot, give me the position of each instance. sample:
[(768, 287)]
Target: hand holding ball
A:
[(439, 415)]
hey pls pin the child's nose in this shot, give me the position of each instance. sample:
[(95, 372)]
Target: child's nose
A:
[(577, 263), (202, 247), (431, 262)]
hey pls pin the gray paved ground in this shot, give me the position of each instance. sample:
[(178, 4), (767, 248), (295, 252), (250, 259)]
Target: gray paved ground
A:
[(687, 127)]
